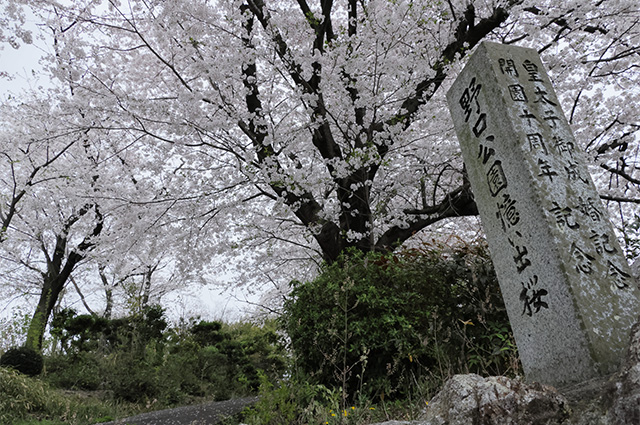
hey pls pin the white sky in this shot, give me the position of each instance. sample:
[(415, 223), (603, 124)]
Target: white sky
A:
[(21, 64)]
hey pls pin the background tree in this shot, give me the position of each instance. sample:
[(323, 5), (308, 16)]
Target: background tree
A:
[(35, 215), (70, 206)]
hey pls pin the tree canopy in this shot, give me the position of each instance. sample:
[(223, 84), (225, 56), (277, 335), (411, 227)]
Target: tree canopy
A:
[(277, 131)]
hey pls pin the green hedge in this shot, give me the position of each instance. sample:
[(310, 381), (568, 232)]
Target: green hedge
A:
[(377, 324), (140, 360)]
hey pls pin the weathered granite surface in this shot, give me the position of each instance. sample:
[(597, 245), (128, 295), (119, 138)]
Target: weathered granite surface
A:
[(469, 399), (608, 400), (567, 287)]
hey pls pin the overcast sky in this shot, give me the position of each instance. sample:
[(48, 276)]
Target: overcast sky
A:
[(21, 65)]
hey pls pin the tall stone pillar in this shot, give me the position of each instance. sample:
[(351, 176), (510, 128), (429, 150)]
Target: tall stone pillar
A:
[(567, 287)]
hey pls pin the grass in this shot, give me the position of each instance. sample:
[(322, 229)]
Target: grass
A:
[(30, 401), (26, 401)]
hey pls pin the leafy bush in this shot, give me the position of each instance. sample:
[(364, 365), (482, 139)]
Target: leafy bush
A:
[(132, 379), (375, 325), (139, 361), (78, 333), (81, 371), (207, 333), (23, 359), (22, 396), (294, 402), (288, 402)]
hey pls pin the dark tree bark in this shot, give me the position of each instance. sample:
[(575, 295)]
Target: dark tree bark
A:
[(108, 292), (356, 214), (60, 265)]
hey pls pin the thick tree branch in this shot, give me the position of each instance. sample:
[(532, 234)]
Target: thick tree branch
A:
[(467, 35), (322, 136), (621, 173), (458, 203), (258, 10), (353, 17), (620, 199), (304, 206)]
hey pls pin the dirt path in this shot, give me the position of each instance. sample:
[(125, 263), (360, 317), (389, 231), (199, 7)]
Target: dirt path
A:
[(203, 414)]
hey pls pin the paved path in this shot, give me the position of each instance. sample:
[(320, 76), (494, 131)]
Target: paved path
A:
[(203, 414)]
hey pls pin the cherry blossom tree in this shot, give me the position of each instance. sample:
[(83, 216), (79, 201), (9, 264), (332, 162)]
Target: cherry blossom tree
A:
[(12, 31), (69, 202), (38, 219), (71, 199), (307, 128)]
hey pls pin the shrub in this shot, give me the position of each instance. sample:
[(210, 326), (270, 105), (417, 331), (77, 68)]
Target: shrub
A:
[(29, 400), (375, 325), (207, 333), (136, 360), (23, 396), (79, 371), (287, 403), (299, 403), (85, 332), (134, 376), (23, 359)]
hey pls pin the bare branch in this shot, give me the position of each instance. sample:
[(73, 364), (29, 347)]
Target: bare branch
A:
[(620, 199), (621, 173)]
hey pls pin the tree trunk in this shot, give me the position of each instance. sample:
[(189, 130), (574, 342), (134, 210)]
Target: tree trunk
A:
[(57, 275), (53, 284), (51, 289), (146, 288), (108, 292)]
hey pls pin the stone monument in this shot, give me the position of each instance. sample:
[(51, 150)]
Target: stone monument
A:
[(567, 286)]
